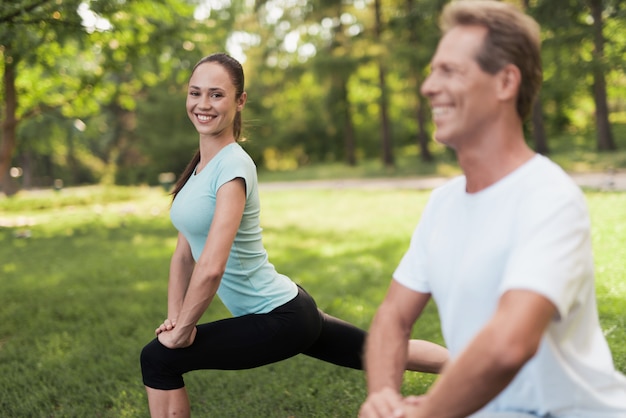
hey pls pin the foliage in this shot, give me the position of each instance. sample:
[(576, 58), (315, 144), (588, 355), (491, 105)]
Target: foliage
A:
[(101, 83), (84, 281), (92, 72), (575, 153)]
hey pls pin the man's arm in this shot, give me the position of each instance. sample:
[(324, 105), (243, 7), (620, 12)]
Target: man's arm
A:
[(491, 360), (386, 349)]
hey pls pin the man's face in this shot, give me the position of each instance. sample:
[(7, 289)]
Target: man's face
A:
[(462, 96)]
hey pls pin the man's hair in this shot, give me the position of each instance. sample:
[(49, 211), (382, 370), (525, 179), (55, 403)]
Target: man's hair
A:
[(512, 38)]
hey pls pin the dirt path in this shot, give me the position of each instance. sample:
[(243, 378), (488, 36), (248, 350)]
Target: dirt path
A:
[(597, 181)]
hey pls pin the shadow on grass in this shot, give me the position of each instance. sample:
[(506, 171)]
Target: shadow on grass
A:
[(347, 277), (78, 305), (611, 309), (79, 301)]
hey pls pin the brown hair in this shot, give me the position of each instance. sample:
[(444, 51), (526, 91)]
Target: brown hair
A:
[(235, 70), (512, 38)]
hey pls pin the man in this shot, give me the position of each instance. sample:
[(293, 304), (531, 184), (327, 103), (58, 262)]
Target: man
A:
[(503, 250)]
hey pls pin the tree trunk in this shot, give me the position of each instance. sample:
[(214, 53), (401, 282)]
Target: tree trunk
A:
[(26, 162), (414, 74), (339, 81), (422, 135), (116, 152), (9, 122), (387, 147), (348, 126), (338, 102), (603, 126), (72, 162), (538, 128)]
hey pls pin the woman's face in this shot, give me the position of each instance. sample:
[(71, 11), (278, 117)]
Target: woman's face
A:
[(212, 101)]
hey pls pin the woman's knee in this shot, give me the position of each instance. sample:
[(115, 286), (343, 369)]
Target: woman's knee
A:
[(149, 358), (156, 370)]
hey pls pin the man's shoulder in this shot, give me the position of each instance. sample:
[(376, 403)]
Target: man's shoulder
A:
[(453, 186), (546, 177)]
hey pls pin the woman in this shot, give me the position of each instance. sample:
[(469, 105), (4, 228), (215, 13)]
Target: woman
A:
[(219, 251)]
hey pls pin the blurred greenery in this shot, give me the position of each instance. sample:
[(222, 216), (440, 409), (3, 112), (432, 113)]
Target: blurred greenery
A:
[(93, 91), (83, 282)]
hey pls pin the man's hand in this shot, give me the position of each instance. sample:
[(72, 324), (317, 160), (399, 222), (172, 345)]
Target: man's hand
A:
[(386, 403), (411, 405)]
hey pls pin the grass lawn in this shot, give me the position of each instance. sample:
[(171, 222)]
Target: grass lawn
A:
[(83, 278)]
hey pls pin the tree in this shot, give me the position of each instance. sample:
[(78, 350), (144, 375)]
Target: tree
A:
[(536, 118), (417, 29), (339, 67), (603, 126), (385, 125), (26, 25), (88, 72), (413, 23), (148, 41), (538, 127), (575, 59)]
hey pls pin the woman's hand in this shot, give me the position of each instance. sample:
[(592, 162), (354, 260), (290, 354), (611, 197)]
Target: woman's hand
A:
[(167, 325), (171, 339)]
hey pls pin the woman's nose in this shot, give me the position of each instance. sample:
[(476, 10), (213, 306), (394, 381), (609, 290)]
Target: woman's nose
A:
[(205, 102)]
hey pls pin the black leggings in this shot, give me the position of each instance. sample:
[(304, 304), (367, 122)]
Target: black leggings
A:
[(255, 340)]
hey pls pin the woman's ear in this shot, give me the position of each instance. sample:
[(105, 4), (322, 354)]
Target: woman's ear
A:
[(241, 102), (510, 79)]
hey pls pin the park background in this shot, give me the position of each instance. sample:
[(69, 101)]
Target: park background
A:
[(92, 115), (93, 92)]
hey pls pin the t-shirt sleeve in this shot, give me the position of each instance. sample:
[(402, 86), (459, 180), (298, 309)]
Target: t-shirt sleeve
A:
[(552, 255), (412, 269), (238, 165)]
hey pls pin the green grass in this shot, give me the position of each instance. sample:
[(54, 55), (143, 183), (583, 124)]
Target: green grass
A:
[(83, 277)]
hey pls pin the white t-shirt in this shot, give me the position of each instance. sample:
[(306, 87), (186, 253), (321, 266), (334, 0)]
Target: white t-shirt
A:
[(531, 231)]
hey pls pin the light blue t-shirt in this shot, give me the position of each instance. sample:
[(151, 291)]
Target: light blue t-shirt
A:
[(251, 284)]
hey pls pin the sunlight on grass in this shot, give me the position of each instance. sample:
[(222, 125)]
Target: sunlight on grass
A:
[(83, 285)]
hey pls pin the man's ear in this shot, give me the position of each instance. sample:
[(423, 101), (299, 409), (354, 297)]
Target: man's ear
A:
[(510, 79)]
